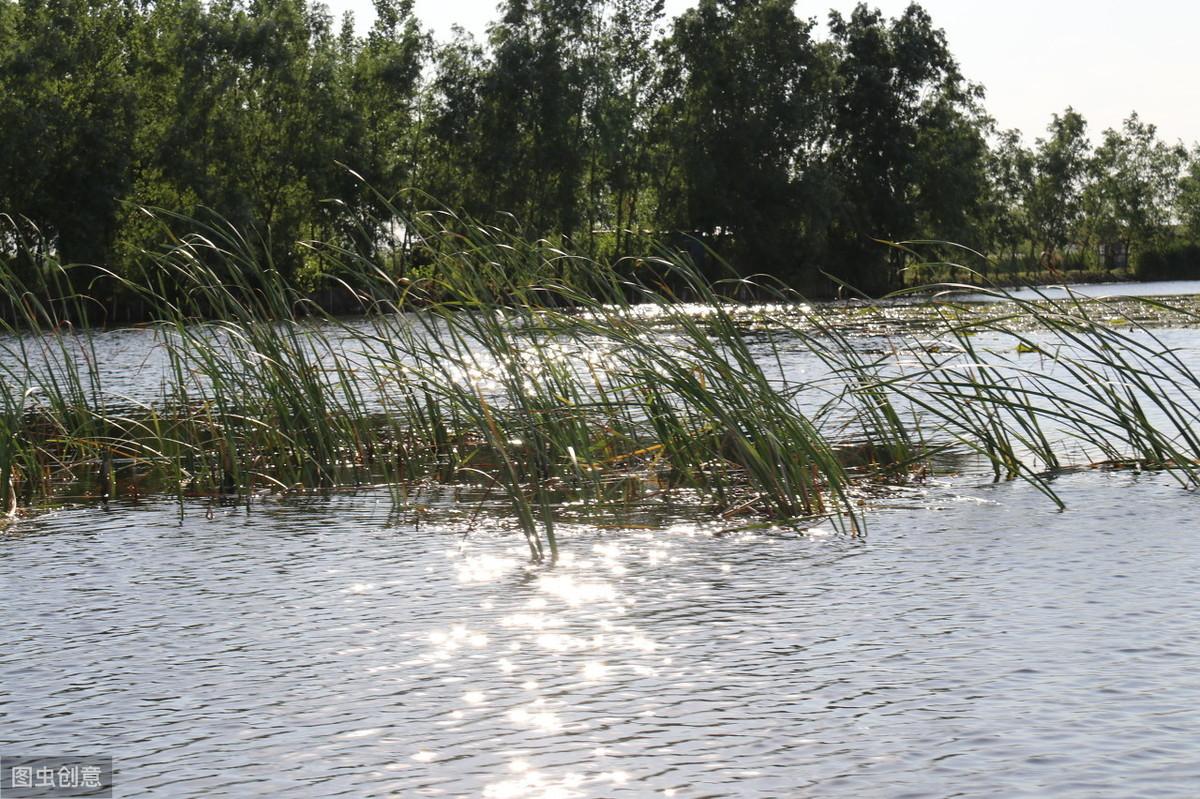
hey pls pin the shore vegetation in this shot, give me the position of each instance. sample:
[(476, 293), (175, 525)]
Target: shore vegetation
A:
[(739, 133)]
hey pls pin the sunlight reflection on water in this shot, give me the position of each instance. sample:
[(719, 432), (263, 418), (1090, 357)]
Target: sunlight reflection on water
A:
[(302, 649)]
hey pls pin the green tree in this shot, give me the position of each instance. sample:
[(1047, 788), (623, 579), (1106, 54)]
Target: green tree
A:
[(268, 122), (621, 89), (1055, 202), (950, 168), (452, 136), (1189, 196), (746, 129), (1011, 169), (531, 115), (67, 104), (383, 99), (907, 144), (1131, 198)]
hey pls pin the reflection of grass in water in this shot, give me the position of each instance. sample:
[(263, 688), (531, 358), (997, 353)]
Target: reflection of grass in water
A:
[(552, 381)]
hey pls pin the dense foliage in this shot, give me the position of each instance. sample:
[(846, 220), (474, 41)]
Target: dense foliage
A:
[(786, 147)]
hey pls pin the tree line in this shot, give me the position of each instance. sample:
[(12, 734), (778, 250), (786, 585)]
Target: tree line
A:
[(738, 126)]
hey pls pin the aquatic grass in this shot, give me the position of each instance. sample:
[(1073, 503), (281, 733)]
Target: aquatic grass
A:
[(53, 407), (529, 370), (704, 397), (1096, 383)]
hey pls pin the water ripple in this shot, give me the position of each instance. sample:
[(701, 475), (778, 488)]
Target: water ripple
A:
[(315, 648)]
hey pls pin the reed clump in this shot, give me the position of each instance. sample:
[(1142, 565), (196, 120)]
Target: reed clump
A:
[(542, 376)]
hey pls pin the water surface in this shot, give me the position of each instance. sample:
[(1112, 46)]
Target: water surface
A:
[(973, 643)]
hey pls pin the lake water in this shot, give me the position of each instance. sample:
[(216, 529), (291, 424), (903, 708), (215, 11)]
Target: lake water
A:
[(973, 642), (1162, 288)]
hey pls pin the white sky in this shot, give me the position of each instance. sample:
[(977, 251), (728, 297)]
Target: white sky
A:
[(1034, 57)]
